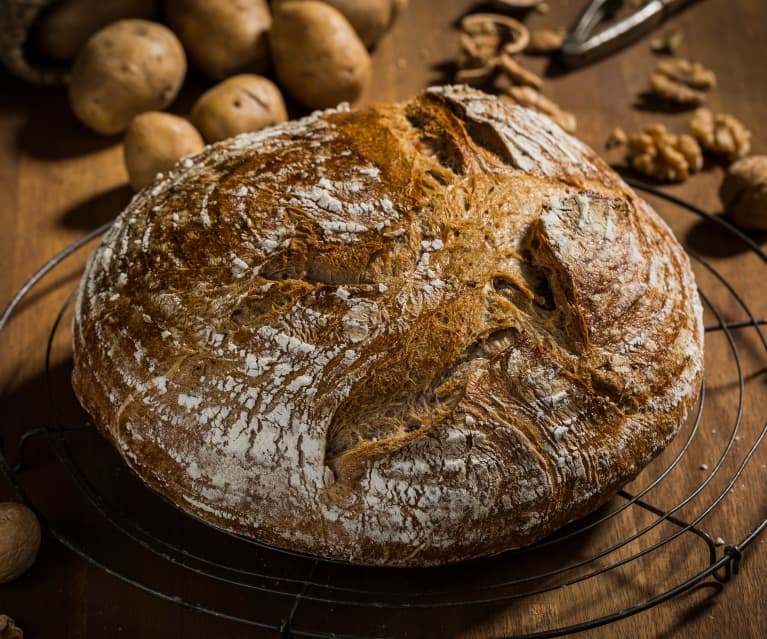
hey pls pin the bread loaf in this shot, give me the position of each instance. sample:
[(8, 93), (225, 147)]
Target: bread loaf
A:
[(408, 334)]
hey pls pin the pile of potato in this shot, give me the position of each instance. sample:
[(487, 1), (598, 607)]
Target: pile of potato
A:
[(127, 68)]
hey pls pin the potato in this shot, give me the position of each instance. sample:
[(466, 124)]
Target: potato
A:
[(370, 18), (239, 104), (222, 36), (128, 67), (64, 28), (154, 142), (318, 57), (19, 540)]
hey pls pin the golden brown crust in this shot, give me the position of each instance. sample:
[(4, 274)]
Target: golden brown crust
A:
[(407, 335)]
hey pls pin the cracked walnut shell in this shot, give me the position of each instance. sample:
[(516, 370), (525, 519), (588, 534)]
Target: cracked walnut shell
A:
[(682, 81), (721, 133), (485, 34), (744, 192), (659, 154)]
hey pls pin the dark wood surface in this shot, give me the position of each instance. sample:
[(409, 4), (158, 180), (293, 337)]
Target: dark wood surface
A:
[(58, 181)]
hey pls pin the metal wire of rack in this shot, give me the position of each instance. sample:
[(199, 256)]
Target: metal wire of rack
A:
[(119, 520)]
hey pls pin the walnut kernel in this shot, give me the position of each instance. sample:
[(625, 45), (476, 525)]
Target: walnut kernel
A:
[(659, 154), (616, 138), (545, 41), (721, 133), (8, 629), (744, 192), (692, 74), (682, 81), (528, 97)]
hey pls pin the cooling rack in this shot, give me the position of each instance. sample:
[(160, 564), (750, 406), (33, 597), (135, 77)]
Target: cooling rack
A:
[(671, 531)]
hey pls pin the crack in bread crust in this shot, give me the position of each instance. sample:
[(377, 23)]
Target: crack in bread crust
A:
[(409, 334)]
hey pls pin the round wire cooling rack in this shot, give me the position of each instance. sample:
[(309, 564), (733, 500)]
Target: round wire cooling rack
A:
[(657, 539)]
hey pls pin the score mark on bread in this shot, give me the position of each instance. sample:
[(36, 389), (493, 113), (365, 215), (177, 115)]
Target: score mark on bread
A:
[(409, 334)]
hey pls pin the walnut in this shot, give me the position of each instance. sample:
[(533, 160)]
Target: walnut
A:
[(8, 629), (721, 133), (682, 81), (532, 99), (545, 41), (659, 154), (616, 138), (517, 74), (19, 540), (744, 192), (669, 42), (692, 74)]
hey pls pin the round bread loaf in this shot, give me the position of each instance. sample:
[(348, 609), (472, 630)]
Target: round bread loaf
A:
[(409, 334)]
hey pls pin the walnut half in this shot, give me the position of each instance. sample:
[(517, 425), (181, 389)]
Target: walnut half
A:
[(682, 81), (721, 133), (659, 154)]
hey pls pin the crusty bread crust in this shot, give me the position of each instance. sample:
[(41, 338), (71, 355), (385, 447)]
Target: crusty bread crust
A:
[(409, 334)]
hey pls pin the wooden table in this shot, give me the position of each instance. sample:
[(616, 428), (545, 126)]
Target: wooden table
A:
[(57, 181)]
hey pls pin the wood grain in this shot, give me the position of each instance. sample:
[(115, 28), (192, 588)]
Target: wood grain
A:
[(57, 181)]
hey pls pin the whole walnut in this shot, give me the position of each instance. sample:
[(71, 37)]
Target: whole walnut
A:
[(8, 629), (19, 540), (744, 192)]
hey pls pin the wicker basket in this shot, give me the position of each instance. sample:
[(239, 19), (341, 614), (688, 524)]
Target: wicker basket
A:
[(16, 20)]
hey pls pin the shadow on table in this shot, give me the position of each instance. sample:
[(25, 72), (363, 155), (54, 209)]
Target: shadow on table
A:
[(707, 238), (50, 130), (98, 210)]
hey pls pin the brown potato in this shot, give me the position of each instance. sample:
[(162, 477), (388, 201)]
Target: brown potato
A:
[(19, 540), (318, 57), (154, 142), (222, 36), (237, 105), (127, 68), (370, 18), (64, 27)]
